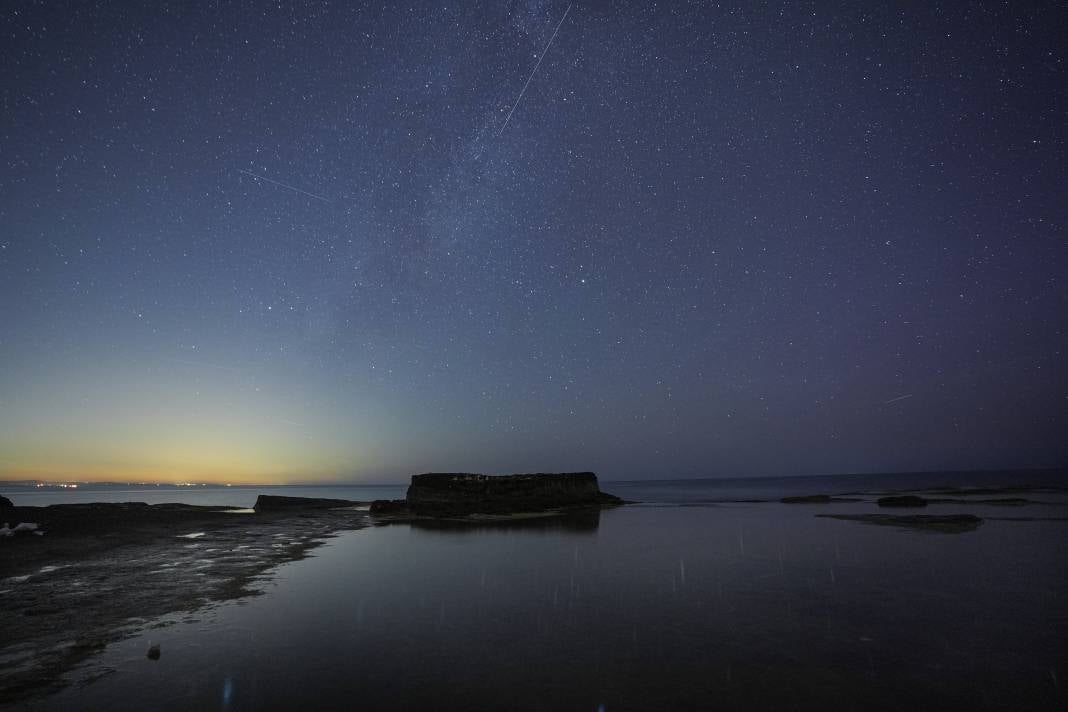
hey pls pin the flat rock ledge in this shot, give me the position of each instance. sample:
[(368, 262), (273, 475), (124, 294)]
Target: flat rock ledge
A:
[(460, 494), (272, 503), (906, 500), (816, 499), (946, 524)]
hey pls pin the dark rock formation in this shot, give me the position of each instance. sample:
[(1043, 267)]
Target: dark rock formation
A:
[(905, 500), (153, 652), (947, 524), (5, 502), (389, 506), (270, 502), (1002, 502), (458, 494), (816, 499)]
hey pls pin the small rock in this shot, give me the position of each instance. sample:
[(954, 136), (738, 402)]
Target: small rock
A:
[(270, 502), (907, 500), (389, 506), (153, 652), (5, 502)]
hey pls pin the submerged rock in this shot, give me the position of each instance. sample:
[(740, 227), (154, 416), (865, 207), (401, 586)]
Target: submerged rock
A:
[(816, 499), (153, 652), (458, 494), (947, 524), (905, 500)]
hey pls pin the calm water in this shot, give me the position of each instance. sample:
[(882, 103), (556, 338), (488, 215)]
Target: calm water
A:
[(720, 606), (243, 496), (663, 491)]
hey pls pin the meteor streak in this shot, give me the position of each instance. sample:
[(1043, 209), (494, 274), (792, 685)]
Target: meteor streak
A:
[(284, 185), (524, 90)]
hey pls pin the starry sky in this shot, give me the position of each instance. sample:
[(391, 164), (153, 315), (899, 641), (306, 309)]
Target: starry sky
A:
[(334, 241)]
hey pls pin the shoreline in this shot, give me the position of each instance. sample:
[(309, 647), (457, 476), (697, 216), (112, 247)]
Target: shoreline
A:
[(103, 572)]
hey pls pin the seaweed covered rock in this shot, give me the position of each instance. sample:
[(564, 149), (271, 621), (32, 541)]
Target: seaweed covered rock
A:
[(449, 494)]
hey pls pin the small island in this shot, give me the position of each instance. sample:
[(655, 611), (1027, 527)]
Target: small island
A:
[(460, 494)]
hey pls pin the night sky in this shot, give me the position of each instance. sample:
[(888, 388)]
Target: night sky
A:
[(334, 241)]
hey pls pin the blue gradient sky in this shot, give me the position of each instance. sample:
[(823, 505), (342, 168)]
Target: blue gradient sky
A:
[(710, 240)]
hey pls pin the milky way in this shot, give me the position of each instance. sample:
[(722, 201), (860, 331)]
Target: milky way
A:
[(334, 240)]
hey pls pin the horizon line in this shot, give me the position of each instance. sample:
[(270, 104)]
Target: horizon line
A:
[(336, 483)]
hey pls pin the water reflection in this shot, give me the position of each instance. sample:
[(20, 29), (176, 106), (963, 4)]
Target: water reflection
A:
[(747, 608), (227, 693), (584, 521)]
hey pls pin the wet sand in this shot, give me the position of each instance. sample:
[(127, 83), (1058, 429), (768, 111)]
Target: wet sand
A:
[(102, 572)]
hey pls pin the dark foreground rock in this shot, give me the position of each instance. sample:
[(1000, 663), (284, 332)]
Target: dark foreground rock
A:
[(816, 499), (947, 524), (5, 502), (461, 494), (390, 506), (1001, 502), (905, 500), (270, 502)]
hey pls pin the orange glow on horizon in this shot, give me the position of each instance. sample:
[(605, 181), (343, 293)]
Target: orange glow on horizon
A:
[(177, 466)]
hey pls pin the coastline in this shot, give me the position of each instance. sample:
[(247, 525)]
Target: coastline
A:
[(103, 572)]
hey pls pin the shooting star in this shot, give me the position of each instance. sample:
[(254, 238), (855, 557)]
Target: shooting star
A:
[(520, 97), (284, 185), (899, 398)]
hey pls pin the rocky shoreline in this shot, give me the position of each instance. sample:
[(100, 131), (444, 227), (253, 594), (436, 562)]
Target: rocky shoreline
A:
[(101, 572), (76, 577), (85, 575)]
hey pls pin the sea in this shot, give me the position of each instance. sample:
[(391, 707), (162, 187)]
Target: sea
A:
[(703, 595)]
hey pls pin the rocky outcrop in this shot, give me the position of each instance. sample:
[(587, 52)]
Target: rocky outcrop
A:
[(458, 494), (816, 499), (947, 524), (905, 500), (389, 506), (5, 502), (272, 503)]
